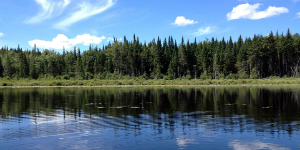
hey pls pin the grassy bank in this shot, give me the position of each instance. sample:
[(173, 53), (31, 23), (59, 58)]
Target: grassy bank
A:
[(45, 82)]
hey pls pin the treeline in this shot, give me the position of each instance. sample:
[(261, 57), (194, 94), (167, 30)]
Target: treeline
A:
[(257, 57)]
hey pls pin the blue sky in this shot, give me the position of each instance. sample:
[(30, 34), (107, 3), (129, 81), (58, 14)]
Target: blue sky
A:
[(54, 24)]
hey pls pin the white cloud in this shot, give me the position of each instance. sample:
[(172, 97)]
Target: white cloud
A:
[(86, 10), (49, 9), (1, 34), (181, 21), (205, 30), (247, 11), (61, 41), (298, 15)]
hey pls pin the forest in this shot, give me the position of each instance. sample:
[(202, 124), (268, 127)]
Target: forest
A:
[(247, 58)]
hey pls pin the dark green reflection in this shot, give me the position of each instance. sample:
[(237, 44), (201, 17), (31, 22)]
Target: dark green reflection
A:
[(263, 104)]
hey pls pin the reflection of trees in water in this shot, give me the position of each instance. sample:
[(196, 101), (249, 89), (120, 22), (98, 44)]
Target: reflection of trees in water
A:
[(225, 109)]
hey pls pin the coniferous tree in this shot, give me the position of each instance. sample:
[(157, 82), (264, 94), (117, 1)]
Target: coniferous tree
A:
[(257, 57)]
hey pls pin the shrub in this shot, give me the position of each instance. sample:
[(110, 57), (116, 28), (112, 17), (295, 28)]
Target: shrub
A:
[(89, 76), (89, 84), (254, 73), (72, 75), (125, 77), (243, 75), (203, 76), (7, 78), (57, 77), (66, 77), (102, 75), (228, 77), (275, 77), (168, 77), (111, 76), (221, 76), (58, 84), (189, 77), (234, 76)]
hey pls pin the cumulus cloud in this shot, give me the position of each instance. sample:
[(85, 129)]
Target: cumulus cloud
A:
[(205, 30), (181, 21), (61, 41), (86, 10), (1, 34), (247, 11), (49, 9)]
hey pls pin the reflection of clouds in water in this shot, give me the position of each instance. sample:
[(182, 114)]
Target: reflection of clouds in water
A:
[(184, 142), (239, 145), (55, 119)]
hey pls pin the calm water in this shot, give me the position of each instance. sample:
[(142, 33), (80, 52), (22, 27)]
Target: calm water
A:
[(150, 118)]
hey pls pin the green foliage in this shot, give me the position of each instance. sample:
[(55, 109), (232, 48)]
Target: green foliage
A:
[(275, 77), (243, 75), (189, 77), (206, 76), (88, 76), (228, 77), (161, 58), (66, 77), (111, 76), (168, 77), (7, 78), (203, 76), (58, 77), (254, 73)]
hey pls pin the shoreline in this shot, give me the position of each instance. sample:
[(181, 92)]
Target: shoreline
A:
[(22, 83), (125, 86)]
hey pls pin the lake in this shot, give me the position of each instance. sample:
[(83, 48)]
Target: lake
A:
[(199, 117)]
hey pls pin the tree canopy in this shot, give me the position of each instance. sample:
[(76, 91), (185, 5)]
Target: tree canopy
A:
[(257, 57)]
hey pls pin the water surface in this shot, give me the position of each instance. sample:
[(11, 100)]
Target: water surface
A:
[(233, 117)]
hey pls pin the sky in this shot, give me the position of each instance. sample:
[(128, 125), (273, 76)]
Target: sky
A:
[(54, 24)]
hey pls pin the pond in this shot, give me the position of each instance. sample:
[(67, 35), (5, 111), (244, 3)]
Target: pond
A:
[(203, 117)]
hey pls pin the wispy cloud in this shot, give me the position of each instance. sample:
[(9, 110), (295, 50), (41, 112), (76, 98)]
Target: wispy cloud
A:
[(205, 30), (1, 34), (61, 41), (225, 30), (298, 15), (247, 11), (112, 39), (86, 10), (181, 21), (49, 9)]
